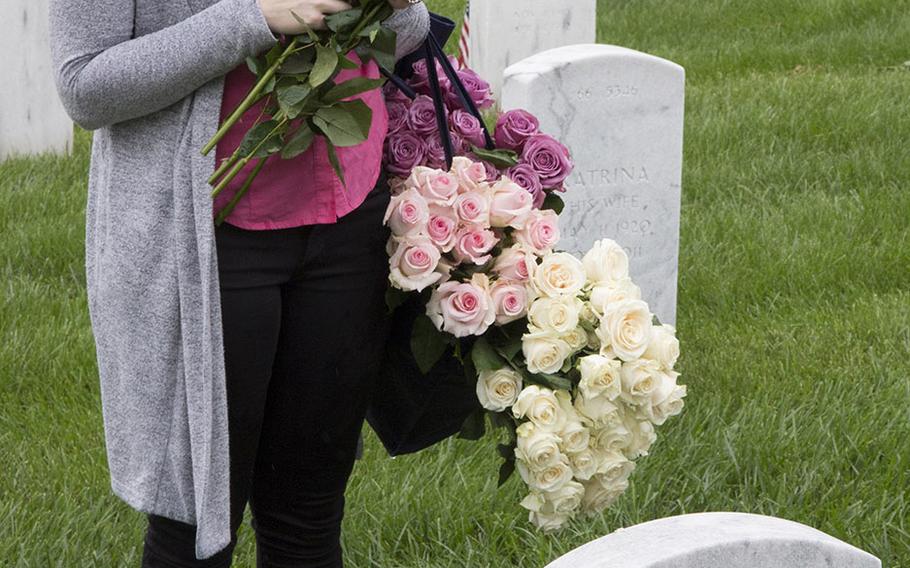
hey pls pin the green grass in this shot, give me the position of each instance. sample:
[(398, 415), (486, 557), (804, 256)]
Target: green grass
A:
[(794, 317)]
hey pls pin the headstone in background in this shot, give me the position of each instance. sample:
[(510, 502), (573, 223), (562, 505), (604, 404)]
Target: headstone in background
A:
[(620, 112), (717, 540), (32, 119), (506, 31)]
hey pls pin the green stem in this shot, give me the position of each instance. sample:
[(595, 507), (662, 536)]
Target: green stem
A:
[(366, 21), (222, 215), (251, 98)]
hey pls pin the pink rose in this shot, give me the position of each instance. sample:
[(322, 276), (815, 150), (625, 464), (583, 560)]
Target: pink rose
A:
[(407, 213), (412, 266), (549, 158), (510, 205), (510, 300), (473, 207), (442, 226), (470, 174), (541, 231), (437, 187), (462, 308), (474, 244), (514, 127), (515, 263)]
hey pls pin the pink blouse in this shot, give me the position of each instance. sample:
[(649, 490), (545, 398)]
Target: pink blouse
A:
[(303, 190)]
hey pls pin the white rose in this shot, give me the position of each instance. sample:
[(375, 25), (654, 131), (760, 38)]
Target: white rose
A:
[(559, 314), (541, 406), (642, 435), (549, 510), (584, 463), (576, 338), (536, 447), (574, 436), (596, 409), (666, 400), (625, 329), (498, 390), (663, 346), (600, 377), (611, 437), (544, 351), (606, 262), (599, 495), (614, 467), (639, 380), (558, 274), (549, 478), (604, 294)]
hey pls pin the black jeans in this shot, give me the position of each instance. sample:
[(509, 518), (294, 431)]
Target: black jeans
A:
[(304, 324)]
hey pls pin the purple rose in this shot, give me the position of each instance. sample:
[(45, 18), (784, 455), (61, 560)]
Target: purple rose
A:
[(477, 88), (398, 115), (422, 115), (467, 126), (525, 176), (549, 158), (514, 127), (404, 150), (436, 154), (420, 80), (393, 93)]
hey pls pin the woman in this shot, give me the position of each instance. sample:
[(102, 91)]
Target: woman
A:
[(235, 362)]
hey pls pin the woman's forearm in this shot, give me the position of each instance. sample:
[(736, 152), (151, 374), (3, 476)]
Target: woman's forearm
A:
[(104, 75), (412, 25)]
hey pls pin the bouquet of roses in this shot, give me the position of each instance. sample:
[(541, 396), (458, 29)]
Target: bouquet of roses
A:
[(569, 360), (303, 99), (534, 160)]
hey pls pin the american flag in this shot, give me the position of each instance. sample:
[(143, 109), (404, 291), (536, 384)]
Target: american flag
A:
[(464, 43)]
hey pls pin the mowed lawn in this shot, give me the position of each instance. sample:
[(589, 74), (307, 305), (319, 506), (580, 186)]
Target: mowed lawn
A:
[(794, 317)]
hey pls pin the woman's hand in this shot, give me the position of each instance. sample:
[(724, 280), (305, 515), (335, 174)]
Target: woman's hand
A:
[(278, 13)]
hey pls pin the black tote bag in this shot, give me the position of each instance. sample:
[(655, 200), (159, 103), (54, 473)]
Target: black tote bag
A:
[(409, 410)]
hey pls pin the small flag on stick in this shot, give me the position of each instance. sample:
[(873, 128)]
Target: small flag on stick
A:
[(464, 43)]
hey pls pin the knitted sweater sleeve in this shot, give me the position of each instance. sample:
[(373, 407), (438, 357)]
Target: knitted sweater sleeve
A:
[(412, 25)]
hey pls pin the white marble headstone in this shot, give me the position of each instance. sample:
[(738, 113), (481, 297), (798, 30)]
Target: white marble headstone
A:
[(620, 112), (32, 119), (506, 31), (717, 540)]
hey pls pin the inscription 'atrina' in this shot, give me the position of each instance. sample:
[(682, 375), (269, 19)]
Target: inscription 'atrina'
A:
[(611, 176)]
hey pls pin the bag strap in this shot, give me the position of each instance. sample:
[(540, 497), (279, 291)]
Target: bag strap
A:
[(436, 92), (466, 100)]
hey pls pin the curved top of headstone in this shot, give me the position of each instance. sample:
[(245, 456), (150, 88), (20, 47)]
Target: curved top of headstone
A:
[(721, 540), (553, 59)]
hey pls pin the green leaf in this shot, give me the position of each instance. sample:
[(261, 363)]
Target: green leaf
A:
[(299, 142), (551, 381), (346, 123), (427, 343), (255, 135), (554, 202), (326, 63), (290, 98), (255, 65), (371, 30), (394, 297), (336, 165), (485, 357), (505, 471), (474, 426), (340, 22), (382, 48), (298, 63), (350, 88), (499, 158), (272, 55), (306, 27)]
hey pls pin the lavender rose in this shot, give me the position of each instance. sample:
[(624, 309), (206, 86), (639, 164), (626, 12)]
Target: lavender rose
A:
[(467, 126), (477, 88), (549, 158), (420, 80), (398, 115), (436, 155), (403, 151), (525, 176), (514, 127), (422, 115), (393, 93)]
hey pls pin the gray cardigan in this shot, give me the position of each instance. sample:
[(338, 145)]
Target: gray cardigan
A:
[(148, 75)]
